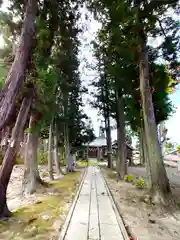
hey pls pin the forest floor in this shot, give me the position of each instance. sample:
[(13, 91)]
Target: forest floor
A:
[(145, 221), (41, 215)]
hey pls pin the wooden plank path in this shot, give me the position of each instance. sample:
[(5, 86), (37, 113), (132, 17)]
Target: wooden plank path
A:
[(93, 215)]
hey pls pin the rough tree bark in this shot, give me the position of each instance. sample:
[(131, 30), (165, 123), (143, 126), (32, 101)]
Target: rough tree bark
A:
[(15, 77), (106, 109), (50, 154), (45, 146), (10, 156), (121, 158), (41, 146), (145, 155), (66, 131), (69, 162), (5, 135), (109, 142), (69, 157), (159, 181), (56, 154), (141, 147), (31, 174), (70, 165)]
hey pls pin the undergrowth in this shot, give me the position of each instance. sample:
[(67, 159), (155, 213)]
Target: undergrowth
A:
[(129, 178), (140, 183)]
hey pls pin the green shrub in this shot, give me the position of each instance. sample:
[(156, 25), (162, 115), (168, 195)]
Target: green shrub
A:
[(140, 183), (42, 158), (128, 178)]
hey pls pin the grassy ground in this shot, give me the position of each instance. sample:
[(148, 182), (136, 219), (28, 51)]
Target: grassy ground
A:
[(84, 163), (81, 163), (43, 219)]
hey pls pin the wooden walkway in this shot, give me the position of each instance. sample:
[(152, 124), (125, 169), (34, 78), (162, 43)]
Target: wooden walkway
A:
[(93, 215)]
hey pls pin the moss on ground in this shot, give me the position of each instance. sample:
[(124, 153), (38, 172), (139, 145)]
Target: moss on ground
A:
[(81, 163), (84, 163), (93, 162), (43, 219), (19, 161)]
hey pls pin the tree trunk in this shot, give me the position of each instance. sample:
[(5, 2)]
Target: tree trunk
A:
[(68, 155), (106, 109), (56, 155), (162, 137), (109, 142), (121, 166), (159, 181), (67, 146), (31, 173), (50, 154), (5, 136), (41, 146), (141, 147), (70, 165), (45, 145), (16, 74), (10, 156), (146, 156), (66, 129)]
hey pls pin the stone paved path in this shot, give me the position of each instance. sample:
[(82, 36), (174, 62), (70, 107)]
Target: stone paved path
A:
[(93, 217)]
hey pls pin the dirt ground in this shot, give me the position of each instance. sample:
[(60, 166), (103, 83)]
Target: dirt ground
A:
[(14, 193), (41, 215), (145, 221)]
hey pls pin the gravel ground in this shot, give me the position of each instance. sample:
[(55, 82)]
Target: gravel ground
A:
[(146, 222)]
